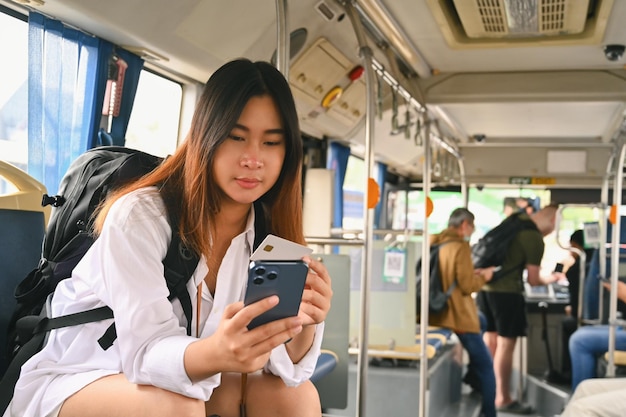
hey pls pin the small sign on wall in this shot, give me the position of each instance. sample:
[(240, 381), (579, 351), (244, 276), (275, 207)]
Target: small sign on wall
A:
[(567, 162), (394, 265)]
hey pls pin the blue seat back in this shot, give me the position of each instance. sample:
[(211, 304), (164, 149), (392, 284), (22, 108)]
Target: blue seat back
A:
[(21, 237)]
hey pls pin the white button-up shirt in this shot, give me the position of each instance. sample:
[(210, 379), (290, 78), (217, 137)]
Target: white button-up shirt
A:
[(124, 270)]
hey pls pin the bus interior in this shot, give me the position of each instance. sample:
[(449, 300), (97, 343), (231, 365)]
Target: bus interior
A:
[(439, 103)]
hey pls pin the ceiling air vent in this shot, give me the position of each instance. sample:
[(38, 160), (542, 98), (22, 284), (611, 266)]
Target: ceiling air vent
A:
[(487, 23), (521, 18)]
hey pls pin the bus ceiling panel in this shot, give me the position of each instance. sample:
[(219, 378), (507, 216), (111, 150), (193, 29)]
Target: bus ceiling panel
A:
[(569, 122), (400, 155), (330, 95), (504, 181), (443, 33), (562, 165), (590, 85), (153, 25), (195, 37)]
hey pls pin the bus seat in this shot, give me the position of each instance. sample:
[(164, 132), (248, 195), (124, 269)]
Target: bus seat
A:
[(440, 332), (399, 352), (21, 239), (29, 191), (325, 364), (620, 364), (331, 373), (437, 338), (620, 357)]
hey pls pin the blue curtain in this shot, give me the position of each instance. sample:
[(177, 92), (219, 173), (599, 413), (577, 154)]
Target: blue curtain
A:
[(66, 84), (338, 160), (60, 62)]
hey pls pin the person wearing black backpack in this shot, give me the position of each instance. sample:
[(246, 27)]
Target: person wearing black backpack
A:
[(461, 314), (244, 147), (504, 306)]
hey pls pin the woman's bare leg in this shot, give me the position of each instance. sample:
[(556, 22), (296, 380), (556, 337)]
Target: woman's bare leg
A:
[(115, 396), (267, 395)]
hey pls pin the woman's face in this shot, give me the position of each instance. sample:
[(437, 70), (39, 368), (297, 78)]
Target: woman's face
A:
[(248, 163)]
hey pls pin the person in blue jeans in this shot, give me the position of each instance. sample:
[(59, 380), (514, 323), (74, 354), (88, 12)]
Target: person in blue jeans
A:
[(461, 314), (591, 291), (590, 342), (470, 377)]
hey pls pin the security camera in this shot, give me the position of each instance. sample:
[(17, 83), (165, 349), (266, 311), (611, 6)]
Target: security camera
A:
[(614, 52), (480, 138), (480, 187)]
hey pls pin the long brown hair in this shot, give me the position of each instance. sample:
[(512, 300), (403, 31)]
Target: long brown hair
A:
[(186, 175)]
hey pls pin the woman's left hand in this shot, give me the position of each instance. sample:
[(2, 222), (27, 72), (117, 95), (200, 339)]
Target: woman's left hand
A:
[(317, 293)]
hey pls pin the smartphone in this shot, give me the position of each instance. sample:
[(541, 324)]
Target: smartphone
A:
[(283, 278), (558, 267)]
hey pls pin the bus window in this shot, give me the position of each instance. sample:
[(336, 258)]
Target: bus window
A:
[(443, 204), (353, 191), (154, 128), (13, 94)]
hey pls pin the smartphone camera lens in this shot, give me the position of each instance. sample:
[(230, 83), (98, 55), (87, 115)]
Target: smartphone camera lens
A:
[(258, 281), (272, 275), (260, 271)]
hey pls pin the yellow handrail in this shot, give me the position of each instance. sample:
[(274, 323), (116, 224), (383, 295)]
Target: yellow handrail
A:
[(29, 191)]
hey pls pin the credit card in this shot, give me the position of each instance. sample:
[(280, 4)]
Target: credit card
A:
[(274, 248)]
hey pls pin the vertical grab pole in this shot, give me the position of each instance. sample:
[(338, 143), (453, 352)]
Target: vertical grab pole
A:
[(423, 388), (370, 79), (604, 199), (615, 247), (282, 38)]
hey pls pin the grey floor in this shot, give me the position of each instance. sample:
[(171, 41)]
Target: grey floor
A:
[(393, 392)]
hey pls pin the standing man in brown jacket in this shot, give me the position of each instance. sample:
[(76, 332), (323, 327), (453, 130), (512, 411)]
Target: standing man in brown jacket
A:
[(461, 316)]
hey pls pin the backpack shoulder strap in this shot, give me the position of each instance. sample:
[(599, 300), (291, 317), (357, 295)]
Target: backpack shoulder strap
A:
[(180, 261), (179, 264), (454, 283)]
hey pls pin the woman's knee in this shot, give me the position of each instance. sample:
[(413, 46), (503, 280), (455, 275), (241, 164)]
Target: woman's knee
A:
[(272, 395), (576, 339), (115, 395), (305, 401), (185, 406)]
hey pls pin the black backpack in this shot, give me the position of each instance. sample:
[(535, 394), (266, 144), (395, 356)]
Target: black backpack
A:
[(437, 297), (491, 249), (68, 236)]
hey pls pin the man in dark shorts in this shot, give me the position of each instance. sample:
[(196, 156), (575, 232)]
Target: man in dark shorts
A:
[(503, 304)]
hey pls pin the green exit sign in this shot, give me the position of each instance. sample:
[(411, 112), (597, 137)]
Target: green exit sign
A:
[(532, 180), (519, 180)]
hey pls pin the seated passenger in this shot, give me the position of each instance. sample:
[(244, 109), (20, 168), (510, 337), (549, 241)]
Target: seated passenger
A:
[(461, 316), (589, 342), (591, 292), (244, 146), (604, 397), (570, 322)]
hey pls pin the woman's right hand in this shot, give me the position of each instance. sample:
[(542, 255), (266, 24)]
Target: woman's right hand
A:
[(234, 348)]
